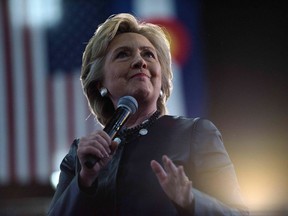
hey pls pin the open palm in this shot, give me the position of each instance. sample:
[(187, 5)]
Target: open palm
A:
[(173, 181)]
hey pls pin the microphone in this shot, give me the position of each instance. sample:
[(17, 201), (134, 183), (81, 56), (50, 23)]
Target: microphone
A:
[(127, 105)]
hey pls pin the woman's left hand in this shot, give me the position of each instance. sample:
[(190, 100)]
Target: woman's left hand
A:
[(174, 182)]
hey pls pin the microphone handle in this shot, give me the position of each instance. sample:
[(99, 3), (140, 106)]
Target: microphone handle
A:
[(117, 121), (114, 125)]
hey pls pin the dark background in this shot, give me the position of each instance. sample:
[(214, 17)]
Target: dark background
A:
[(246, 64)]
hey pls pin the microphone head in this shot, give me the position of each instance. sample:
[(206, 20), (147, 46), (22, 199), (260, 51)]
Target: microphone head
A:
[(129, 102)]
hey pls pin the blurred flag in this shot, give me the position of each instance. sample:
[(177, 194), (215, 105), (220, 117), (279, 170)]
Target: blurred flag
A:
[(42, 108)]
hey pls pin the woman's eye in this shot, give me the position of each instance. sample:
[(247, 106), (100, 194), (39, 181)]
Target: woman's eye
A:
[(149, 54), (122, 54)]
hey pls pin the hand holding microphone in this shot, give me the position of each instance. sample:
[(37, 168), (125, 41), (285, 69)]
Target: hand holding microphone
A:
[(127, 105)]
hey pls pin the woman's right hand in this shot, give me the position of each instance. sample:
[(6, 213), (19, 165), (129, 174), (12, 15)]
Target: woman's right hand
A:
[(99, 144)]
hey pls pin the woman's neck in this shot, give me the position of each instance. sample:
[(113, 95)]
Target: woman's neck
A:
[(139, 117)]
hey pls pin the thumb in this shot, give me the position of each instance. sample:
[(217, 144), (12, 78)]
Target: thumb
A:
[(114, 144)]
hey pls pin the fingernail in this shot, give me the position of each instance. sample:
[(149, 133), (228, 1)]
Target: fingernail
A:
[(117, 140)]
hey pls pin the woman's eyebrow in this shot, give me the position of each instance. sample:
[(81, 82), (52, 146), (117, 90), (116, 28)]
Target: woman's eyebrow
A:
[(129, 48), (122, 48), (147, 47)]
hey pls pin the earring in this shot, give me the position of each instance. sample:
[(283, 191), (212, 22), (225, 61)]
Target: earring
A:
[(161, 93), (103, 91)]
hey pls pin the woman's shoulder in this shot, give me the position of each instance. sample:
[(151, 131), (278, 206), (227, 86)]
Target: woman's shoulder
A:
[(198, 123), (179, 118)]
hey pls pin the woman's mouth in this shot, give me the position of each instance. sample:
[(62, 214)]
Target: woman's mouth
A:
[(139, 75)]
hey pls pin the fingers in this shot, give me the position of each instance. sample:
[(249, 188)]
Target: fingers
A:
[(184, 180), (159, 171), (169, 166), (169, 173), (171, 169), (173, 181), (97, 143)]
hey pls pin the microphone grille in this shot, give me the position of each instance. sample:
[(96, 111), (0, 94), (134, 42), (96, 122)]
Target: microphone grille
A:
[(129, 102)]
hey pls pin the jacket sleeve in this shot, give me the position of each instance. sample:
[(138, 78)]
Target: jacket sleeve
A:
[(215, 185), (68, 198)]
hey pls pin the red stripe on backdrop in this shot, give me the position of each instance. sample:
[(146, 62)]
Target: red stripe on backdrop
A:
[(70, 108), (30, 102), (50, 121), (10, 89)]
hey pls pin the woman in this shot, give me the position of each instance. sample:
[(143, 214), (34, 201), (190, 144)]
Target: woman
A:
[(164, 165)]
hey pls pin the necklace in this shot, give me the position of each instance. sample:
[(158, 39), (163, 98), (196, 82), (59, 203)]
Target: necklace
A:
[(128, 134)]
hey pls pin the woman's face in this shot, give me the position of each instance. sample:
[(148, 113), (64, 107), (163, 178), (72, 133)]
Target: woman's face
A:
[(132, 68)]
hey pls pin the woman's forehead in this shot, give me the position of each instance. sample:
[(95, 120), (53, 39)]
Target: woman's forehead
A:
[(130, 40)]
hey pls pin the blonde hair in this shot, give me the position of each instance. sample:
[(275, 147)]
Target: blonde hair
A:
[(92, 73)]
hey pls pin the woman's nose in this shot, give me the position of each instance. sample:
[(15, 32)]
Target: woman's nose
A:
[(138, 63)]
